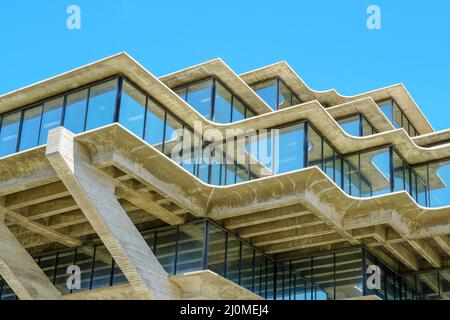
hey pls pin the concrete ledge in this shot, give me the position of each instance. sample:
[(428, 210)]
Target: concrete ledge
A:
[(201, 285)]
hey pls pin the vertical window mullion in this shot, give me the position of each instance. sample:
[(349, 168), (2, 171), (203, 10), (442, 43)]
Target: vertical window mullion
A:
[(213, 99), (86, 110), (119, 88), (19, 133)]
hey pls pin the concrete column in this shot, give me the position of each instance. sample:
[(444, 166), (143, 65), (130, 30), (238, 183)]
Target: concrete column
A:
[(95, 195), (20, 270)]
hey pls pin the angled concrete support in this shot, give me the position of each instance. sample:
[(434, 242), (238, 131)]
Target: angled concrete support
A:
[(95, 195), (20, 270)]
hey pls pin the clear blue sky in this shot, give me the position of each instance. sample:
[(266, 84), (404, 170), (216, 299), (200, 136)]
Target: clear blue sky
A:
[(325, 41)]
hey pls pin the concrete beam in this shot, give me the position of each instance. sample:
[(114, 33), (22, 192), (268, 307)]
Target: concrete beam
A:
[(21, 272), (40, 229), (303, 243), (427, 252), (95, 195), (277, 226), (291, 235), (271, 215)]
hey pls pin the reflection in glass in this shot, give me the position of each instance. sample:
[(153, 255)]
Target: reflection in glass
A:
[(132, 109), (222, 104), (9, 133), (51, 117), (75, 111), (268, 92), (199, 97), (101, 108), (30, 128)]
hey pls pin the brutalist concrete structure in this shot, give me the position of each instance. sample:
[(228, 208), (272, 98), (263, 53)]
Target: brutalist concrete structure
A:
[(115, 184)]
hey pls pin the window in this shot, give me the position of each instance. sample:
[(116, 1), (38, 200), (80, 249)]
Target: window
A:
[(75, 111), (439, 181), (276, 94), (30, 128), (268, 92), (101, 106), (290, 151), (199, 97), (356, 126), (132, 109), (51, 117), (238, 111), (284, 96), (154, 127), (351, 125), (222, 105), (314, 148), (9, 133)]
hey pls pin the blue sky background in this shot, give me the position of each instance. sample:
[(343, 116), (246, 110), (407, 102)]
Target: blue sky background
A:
[(326, 42)]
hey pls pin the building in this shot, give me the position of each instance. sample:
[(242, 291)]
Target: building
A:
[(312, 189)]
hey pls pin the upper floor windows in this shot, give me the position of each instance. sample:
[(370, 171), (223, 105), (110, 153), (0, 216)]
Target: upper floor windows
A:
[(396, 116), (357, 126), (213, 101), (276, 94)]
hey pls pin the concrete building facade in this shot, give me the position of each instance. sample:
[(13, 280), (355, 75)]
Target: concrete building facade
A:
[(205, 184)]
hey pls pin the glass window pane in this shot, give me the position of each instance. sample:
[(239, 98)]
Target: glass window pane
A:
[(154, 131), (399, 175), (30, 128), (420, 174), (199, 97), (285, 96), (328, 160), (375, 170), (246, 279), (102, 268), (102, 99), (222, 104), (268, 92), (239, 110), (51, 118), (386, 108), (174, 132), (352, 181), (216, 250), (233, 253), (165, 249), (190, 248), (439, 179), (132, 109), (290, 151), (75, 111), (367, 129), (9, 133), (397, 117), (350, 125), (349, 278), (314, 148)]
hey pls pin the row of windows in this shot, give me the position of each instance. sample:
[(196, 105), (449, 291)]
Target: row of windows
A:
[(214, 102), (276, 94), (181, 249), (397, 117), (282, 150)]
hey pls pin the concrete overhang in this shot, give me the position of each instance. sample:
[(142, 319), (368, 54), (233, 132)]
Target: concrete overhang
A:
[(123, 64), (115, 145), (217, 68), (333, 98)]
